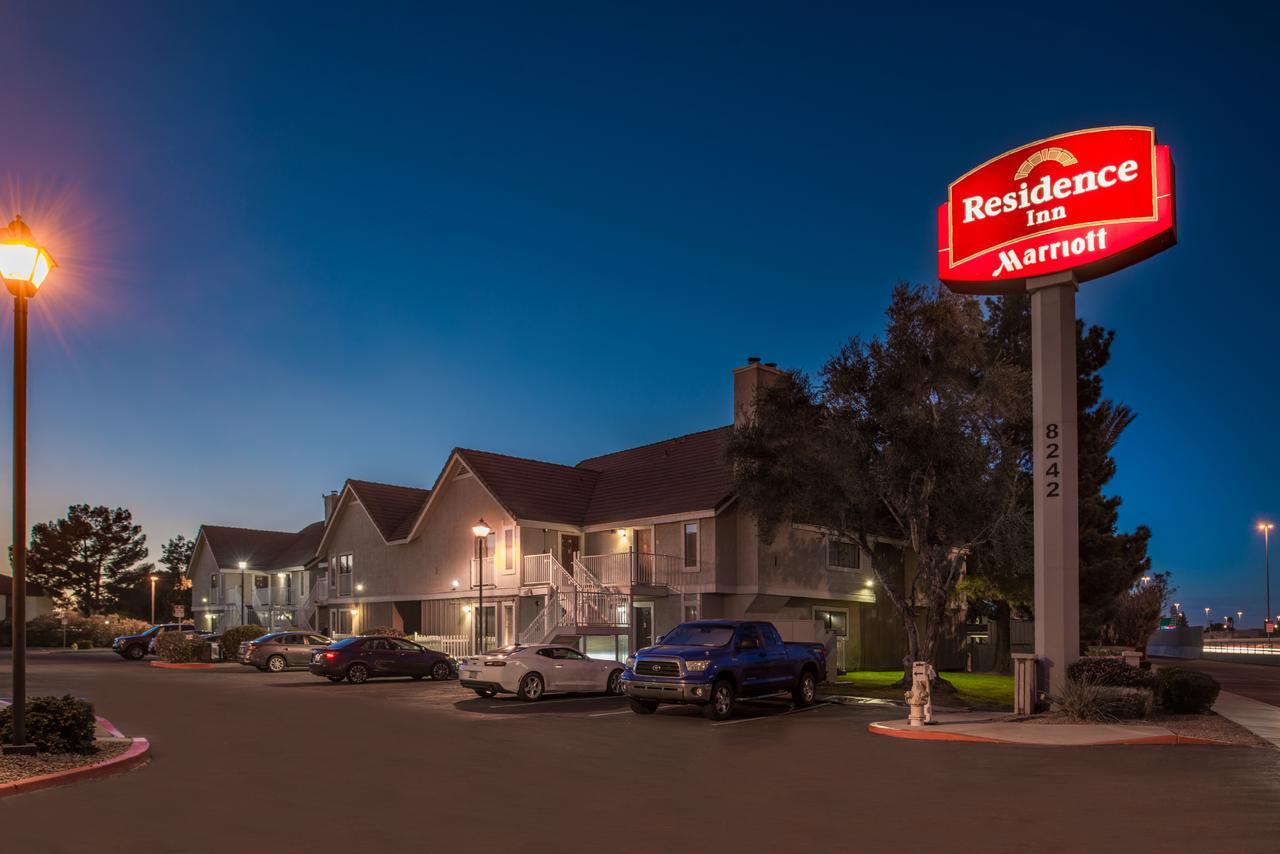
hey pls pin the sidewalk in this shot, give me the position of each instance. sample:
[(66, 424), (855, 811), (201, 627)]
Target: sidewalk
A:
[(997, 729), (1262, 719)]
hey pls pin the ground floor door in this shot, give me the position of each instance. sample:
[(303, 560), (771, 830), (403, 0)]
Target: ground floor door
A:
[(410, 614), (642, 619), (508, 628)]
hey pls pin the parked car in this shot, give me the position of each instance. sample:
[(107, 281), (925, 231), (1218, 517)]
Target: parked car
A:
[(530, 671), (277, 651), (712, 663), (359, 659), (134, 647)]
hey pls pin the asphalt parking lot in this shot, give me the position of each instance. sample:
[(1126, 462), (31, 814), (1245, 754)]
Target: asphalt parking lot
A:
[(290, 762)]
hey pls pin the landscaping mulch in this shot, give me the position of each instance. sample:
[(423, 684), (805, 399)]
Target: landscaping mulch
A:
[(1211, 726), (14, 768)]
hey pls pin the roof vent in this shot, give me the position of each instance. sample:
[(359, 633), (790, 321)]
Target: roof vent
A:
[(771, 364), (753, 360)]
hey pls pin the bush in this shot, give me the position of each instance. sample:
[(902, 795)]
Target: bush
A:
[(1185, 691), (82, 644), (384, 630), (233, 637), (1087, 700), (54, 724), (1111, 672), (48, 630), (176, 647)]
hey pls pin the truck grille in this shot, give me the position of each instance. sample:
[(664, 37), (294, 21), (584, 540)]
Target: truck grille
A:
[(650, 667)]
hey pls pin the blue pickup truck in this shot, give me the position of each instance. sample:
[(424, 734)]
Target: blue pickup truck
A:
[(713, 663)]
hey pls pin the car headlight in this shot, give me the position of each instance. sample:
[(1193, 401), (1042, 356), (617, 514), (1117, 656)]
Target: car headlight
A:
[(631, 662), (697, 666)]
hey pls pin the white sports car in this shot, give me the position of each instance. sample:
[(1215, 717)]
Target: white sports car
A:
[(536, 669)]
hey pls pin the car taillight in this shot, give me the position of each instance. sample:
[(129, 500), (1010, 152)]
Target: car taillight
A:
[(252, 647), (495, 664), (330, 656)]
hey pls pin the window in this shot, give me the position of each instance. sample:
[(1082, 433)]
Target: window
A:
[(691, 544), (842, 555), (771, 636), (690, 613), (834, 621), (344, 575), (260, 582), (213, 581), (317, 640), (509, 550)]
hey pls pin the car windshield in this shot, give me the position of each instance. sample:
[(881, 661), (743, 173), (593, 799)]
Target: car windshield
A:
[(699, 634), (345, 642)]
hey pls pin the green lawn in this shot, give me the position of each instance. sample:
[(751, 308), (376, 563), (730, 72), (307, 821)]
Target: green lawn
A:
[(976, 690)]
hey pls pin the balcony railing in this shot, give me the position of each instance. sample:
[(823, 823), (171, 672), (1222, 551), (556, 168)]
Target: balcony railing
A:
[(488, 573), (626, 568)]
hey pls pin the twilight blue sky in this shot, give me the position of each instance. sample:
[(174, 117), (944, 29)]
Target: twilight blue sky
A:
[(305, 242)]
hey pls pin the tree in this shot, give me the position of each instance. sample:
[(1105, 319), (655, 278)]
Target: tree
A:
[(1137, 612), (1111, 562), (175, 556), (902, 439), (89, 555)]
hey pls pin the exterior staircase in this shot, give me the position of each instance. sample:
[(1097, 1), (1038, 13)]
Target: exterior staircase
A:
[(595, 598)]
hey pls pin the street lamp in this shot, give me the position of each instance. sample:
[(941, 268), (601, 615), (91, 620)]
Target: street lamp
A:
[(481, 531), (154, 579), (1265, 528), (23, 266)]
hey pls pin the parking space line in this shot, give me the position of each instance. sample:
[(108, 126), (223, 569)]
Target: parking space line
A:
[(511, 704), (606, 714), (775, 717)]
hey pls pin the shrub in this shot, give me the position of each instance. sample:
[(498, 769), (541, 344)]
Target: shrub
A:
[(82, 644), (1111, 672), (54, 724), (176, 647), (1087, 700), (233, 637), (384, 630), (1186, 691)]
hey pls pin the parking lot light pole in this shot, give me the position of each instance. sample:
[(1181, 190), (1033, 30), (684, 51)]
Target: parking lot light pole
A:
[(1265, 528), (154, 578), (24, 266), (481, 531)]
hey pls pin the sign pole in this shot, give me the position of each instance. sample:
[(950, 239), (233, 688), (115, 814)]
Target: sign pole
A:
[(1057, 481)]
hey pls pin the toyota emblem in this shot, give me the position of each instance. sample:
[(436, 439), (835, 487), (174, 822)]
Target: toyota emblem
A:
[(656, 668)]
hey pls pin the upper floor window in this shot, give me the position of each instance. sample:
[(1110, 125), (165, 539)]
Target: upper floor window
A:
[(260, 582), (213, 581), (691, 544), (509, 550), (344, 563), (842, 555)]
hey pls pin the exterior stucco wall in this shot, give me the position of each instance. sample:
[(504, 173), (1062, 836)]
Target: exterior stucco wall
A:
[(795, 564)]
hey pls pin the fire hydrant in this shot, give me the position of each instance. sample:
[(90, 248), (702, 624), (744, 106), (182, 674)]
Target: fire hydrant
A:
[(919, 703)]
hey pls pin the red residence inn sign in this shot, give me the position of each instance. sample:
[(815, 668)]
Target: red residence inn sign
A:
[(1090, 201)]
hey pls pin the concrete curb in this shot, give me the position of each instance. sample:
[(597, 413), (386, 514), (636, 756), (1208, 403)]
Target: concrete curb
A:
[(137, 754), (188, 665), (892, 730)]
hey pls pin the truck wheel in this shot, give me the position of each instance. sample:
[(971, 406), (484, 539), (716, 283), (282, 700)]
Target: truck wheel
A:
[(806, 690), (721, 705), (644, 707)]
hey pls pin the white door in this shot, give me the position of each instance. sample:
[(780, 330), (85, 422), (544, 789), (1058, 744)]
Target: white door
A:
[(508, 623)]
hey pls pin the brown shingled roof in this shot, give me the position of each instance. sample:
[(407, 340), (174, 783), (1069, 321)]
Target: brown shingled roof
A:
[(672, 476), (392, 508), (261, 550), (532, 489)]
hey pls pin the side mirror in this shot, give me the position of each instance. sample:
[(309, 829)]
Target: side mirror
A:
[(658, 639)]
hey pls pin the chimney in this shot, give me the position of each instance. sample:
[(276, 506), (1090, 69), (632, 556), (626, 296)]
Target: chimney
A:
[(330, 504), (748, 381)]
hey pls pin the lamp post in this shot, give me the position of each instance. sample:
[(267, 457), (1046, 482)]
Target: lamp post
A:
[(481, 531), (154, 578), (23, 266), (1265, 528)]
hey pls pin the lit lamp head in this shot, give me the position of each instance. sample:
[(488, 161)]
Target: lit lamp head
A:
[(23, 263), (480, 529)]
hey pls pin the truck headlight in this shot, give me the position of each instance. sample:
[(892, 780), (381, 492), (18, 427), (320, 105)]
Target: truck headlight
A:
[(697, 666), (631, 662)]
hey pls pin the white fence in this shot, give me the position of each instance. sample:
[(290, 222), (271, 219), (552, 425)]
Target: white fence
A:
[(457, 646)]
